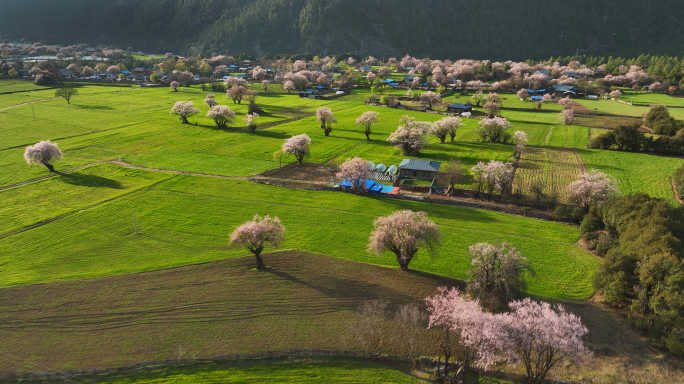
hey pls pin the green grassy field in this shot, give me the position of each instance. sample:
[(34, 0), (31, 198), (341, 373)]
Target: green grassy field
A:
[(338, 371), (635, 172), (187, 219), (641, 97)]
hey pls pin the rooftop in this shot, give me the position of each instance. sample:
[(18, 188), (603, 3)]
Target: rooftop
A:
[(420, 165)]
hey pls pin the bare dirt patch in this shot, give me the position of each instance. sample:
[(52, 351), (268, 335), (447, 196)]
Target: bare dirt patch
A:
[(304, 172)]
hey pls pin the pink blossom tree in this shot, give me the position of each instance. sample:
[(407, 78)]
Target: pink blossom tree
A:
[(297, 146), (236, 93), (168, 55), (415, 82), (474, 329), (566, 103), (222, 115), (445, 126), (367, 120), (355, 170), (520, 138), (592, 188), (325, 116), (567, 116), (523, 94), (184, 109), (493, 128), (370, 76), (616, 94), (210, 100), (323, 81), (495, 175), (87, 71), (113, 68), (299, 65), (43, 153), (497, 273), (477, 98), (410, 137), (429, 98), (221, 70), (264, 84), (174, 85), (538, 336), (288, 85), (256, 233), (250, 120), (404, 233), (258, 73), (186, 77)]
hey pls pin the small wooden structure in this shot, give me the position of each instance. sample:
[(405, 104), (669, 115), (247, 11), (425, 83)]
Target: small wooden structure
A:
[(460, 108), (419, 169)]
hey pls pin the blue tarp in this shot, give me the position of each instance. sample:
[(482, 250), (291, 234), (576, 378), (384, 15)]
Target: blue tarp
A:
[(387, 189), (531, 91), (368, 184), (376, 188), (437, 190), (537, 98), (345, 184), (394, 84)]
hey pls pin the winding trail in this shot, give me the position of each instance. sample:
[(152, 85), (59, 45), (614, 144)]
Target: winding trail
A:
[(549, 135)]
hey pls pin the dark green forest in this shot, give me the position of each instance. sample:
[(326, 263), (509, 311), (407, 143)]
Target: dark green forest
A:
[(439, 29)]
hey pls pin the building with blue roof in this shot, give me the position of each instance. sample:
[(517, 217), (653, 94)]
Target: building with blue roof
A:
[(419, 169), (459, 108)]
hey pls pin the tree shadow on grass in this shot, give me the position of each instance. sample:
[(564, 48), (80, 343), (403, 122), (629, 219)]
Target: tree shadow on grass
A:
[(102, 107), (86, 180)]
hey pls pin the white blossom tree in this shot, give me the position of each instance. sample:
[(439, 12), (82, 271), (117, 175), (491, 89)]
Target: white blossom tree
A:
[(354, 170), (404, 233), (367, 120), (297, 146), (495, 175), (256, 233), (493, 128), (184, 109), (593, 187), (43, 153), (520, 138), (222, 115), (445, 126), (410, 137)]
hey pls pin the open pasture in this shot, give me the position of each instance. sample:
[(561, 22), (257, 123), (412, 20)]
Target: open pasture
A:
[(635, 172), (648, 98), (187, 219)]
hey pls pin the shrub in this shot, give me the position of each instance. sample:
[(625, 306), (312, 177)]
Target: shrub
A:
[(679, 181), (614, 291), (590, 224)]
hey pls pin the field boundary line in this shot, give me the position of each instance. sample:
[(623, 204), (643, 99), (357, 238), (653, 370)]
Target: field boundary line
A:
[(580, 161)]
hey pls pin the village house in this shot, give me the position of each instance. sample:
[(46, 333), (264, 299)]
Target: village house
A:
[(419, 169)]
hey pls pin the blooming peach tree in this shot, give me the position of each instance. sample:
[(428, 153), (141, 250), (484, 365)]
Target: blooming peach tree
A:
[(410, 137), (325, 116), (256, 233), (493, 129), (354, 170), (520, 138), (403, 233), (184, 109), (43, 153), (592, 188), (250, 120), (445, 126), (297, 146), (222, 115), (368, 119)]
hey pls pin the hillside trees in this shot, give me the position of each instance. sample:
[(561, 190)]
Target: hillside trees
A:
[(256, 233), (43, 153), (451, 174), (495, 175), (250, 120), (404, 233), (643, 242)]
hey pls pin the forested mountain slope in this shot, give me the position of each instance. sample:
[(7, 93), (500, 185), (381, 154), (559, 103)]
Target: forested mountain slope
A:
[(491, 29)]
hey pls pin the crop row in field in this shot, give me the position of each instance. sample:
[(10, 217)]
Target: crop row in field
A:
[(554, 168)]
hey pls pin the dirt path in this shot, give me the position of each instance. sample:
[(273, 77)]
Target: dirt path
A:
[(579, 160), (549, 135), (675, 193)]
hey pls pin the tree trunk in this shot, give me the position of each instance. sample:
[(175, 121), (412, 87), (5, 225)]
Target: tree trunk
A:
[(50, 167), (259, 262)]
